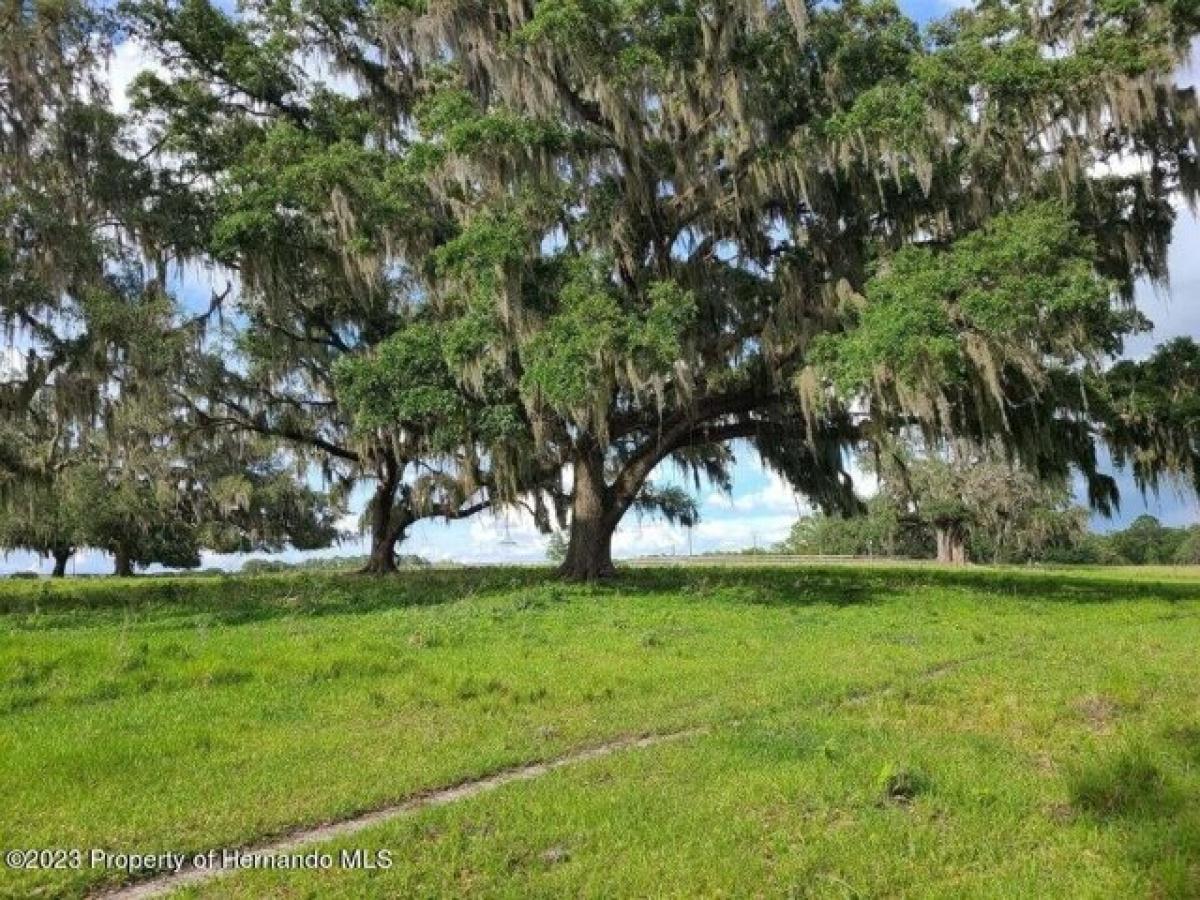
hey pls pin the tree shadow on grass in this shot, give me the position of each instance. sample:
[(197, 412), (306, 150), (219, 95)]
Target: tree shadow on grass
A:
[(234, 599), (238, 599), (848, 585)]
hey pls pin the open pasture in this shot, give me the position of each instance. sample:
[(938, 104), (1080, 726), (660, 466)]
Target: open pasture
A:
[(853, 730)]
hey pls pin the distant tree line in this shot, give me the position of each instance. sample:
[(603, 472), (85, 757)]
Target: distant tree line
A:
[(324, 564), (878, 533), (1145, 542)]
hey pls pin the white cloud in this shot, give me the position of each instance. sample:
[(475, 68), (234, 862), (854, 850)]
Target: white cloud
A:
[(129, 58), (655, 538), (866, 484), (776, 496), (322, 69), (349, 523)]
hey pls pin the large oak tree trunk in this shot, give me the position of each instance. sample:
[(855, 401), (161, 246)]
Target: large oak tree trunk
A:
[(594, 517), (388, 524), (124, 565), (382, 560), (951, 545), (589, 552), (61, 558)]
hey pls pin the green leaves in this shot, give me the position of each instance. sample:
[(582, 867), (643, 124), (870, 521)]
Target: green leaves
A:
[(403, 383), (569, 361), (657, 341), (591, 343), (453, 119), (406, 386), (290, 182), (490, 244), (258, 64), (1022, 292)]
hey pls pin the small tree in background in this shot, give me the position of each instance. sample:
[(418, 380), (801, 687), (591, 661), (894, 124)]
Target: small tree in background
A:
[(976, 505), (1188, 551), (37, 517), (877, 531), (1147, 542), (971, 506)]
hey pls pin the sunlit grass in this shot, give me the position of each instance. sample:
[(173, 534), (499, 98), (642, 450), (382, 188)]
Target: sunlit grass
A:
[(869, 730)]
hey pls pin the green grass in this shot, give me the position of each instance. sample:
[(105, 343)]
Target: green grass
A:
[(884, 730)]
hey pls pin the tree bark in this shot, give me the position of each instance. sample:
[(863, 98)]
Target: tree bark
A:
[(61, 557), (597, 507), (388, 524), (382, 560), (951, 545), (124, 565), (594, 518)]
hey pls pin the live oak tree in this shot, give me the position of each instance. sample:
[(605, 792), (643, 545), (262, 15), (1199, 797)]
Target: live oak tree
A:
[(265, 157), (35, 517), (92, 435), (167, 505), (140, 482), (962, 504), (646, 228), (807, 226), (977, 505), (469, 451), (321, 209), (317, 211), (65, 301), (967, 499), (152, 484), (135, 478)]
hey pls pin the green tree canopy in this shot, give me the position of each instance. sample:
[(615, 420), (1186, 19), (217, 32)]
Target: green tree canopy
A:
[(1153, 407), (594, 235), (316, 206), (96, 446), (803, 225)]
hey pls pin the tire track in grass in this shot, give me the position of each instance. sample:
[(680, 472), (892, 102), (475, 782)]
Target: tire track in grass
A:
[(295, 840)]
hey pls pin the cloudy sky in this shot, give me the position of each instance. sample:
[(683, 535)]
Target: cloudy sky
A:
[(761, 508)]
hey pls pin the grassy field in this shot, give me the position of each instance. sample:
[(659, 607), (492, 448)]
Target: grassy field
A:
[(864, 730)]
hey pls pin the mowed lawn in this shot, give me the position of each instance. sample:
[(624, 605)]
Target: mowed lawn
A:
[(864, 731)]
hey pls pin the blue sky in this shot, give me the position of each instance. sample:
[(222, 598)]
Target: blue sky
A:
[(761, 508)]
